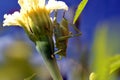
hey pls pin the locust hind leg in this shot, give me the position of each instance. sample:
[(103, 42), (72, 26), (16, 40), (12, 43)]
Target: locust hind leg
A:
[(69, 36)]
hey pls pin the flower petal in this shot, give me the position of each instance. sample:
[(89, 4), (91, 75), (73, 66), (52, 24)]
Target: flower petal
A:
[(53, 5), (25, 5), (12, 20), (41, 3)]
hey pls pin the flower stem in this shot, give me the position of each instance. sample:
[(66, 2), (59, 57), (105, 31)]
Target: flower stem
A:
[(45, 47)]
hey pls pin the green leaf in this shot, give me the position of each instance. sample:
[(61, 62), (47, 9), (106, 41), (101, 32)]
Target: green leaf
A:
[(114, 63), (100, 56), (80, 8)]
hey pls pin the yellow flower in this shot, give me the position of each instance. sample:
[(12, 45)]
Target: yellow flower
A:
[(34, 15)]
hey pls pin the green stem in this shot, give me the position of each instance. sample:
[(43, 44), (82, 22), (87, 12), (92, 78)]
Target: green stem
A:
[(45, 48)]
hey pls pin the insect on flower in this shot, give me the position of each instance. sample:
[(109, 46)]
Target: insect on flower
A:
[(62, 34)]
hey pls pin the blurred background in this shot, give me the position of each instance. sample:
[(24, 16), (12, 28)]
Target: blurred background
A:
[(100, 27)]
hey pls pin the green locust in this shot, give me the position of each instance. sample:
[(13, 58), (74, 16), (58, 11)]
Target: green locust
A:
[(62, 34)]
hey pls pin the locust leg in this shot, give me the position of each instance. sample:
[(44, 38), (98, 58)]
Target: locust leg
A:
[(57, 52), (69, 36), (60, 58), (75, 28), (55, 16), (70, 23)]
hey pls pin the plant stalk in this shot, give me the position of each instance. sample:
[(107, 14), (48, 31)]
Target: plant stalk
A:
[(46, 49)]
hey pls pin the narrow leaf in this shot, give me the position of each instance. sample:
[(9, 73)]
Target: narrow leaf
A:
[(114, 63), (80, 8)]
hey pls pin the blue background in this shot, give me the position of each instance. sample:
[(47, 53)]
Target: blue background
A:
[(96, 12)]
